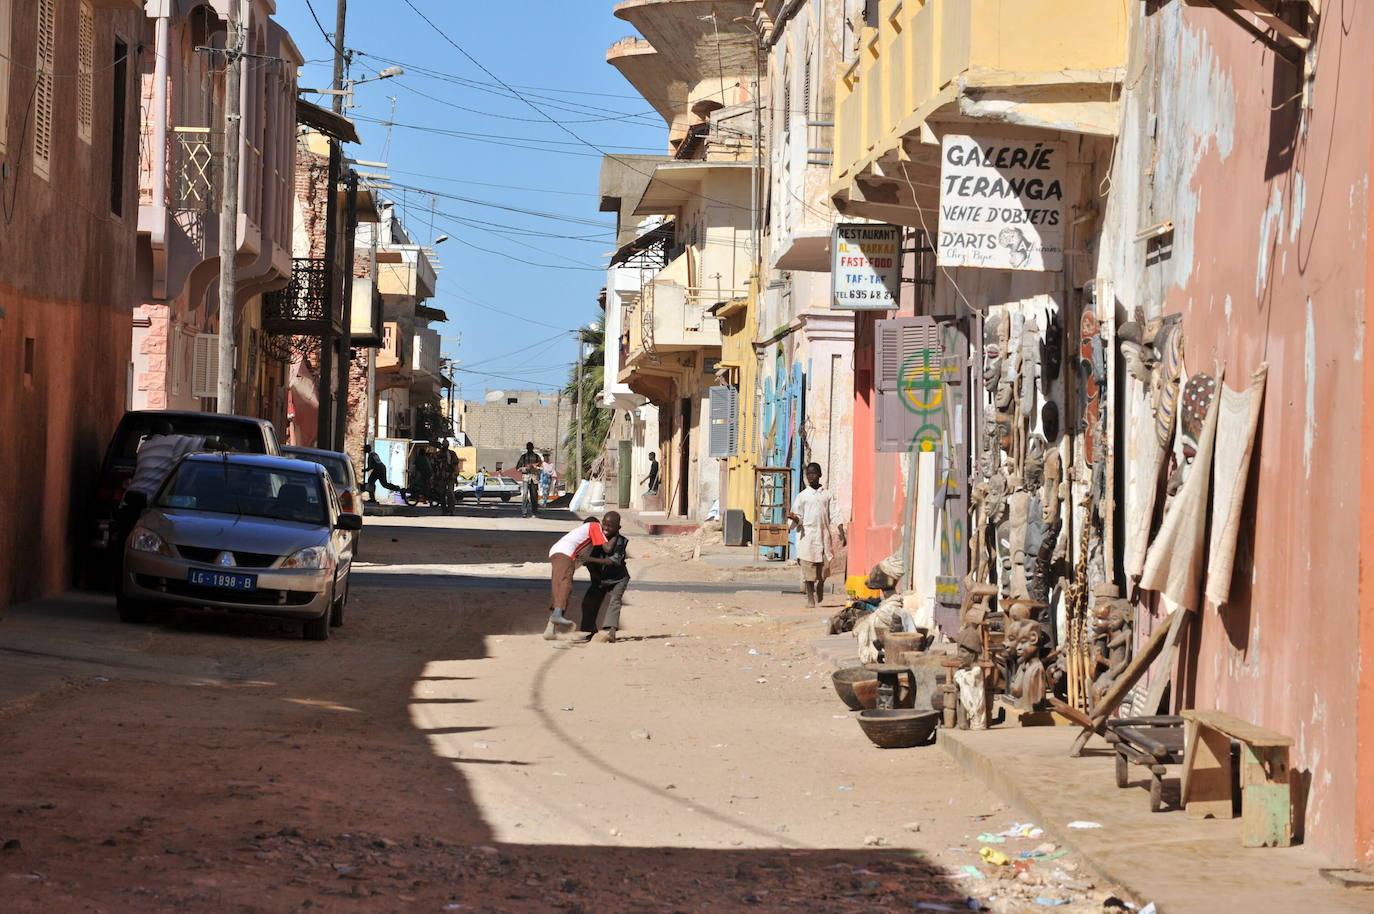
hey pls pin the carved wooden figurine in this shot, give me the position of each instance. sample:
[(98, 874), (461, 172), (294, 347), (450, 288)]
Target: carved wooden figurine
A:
[(1028, 685), (1111, 644)]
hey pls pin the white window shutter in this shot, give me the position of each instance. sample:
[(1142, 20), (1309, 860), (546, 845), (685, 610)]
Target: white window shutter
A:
[(85, 69), (205, 370), (44, 64), (723, 434)]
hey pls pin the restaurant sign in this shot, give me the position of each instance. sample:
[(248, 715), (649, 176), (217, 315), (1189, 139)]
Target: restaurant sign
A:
[(866, 266)]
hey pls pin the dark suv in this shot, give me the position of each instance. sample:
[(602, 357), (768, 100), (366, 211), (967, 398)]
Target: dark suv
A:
[(236, 433)]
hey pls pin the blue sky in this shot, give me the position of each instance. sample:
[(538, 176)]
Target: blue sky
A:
[(510, 302)]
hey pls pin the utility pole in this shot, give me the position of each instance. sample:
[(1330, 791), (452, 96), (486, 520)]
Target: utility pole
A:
[(333, 362), (340, 20), (577, 414), (229, 212)]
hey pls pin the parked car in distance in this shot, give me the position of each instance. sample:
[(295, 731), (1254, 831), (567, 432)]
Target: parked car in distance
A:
[(341, 473), (242, 533), (235, 433), (501, 487)]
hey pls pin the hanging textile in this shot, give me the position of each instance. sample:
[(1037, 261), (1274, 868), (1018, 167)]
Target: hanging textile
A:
[(1173, 565), (1236, 424)]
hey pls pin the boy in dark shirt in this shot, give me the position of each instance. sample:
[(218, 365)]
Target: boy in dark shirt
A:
[(610, 576)]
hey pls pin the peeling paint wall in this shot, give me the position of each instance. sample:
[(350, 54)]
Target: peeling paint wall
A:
[(1266, 262)]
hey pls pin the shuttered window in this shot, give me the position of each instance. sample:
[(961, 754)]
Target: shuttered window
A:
[(723, 436), (6, 18), (45, 58), (85, 70), (910, 375), (205, 366)]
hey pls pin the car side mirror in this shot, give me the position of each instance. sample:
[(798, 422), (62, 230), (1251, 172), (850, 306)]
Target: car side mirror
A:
[(349, 522)]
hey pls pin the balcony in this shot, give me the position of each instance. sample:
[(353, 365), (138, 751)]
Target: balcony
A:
[(394, 356), (196, 156), (301, 307), (972, 64), (425, 354), (405, 271)]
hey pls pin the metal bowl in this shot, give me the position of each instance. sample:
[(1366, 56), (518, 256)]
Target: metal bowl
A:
[(856, 686), (898, 729)]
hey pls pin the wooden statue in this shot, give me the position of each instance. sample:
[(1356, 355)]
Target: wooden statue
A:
[(1029, 683), (1111, 643)]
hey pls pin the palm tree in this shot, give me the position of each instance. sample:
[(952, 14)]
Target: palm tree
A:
[(594, 420)]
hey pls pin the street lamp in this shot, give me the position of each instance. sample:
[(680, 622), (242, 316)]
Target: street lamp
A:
[(349, 84)]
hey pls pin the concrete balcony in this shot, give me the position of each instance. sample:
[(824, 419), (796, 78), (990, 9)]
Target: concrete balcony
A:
[(968, 65), (394, 357), (425, 354), (405, 271)]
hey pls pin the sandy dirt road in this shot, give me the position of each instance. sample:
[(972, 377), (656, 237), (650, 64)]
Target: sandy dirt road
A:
[(438, 755)]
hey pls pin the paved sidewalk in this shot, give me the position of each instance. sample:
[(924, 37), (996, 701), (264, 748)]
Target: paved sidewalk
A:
[(1180, 864)]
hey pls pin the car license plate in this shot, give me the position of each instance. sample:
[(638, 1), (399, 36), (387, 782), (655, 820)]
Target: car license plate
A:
[(223, 580)]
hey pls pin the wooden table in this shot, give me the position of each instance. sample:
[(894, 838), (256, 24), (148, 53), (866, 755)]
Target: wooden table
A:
[(1151, 742), (889, 680), (1266, 807)]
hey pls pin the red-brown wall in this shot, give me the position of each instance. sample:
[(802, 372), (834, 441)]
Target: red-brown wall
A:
[(66, 284)]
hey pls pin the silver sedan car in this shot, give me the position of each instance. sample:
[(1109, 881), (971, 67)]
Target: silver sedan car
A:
[(242, 533)]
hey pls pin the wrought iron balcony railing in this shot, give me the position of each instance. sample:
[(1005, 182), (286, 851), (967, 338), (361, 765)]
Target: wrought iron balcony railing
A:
[(301, 307)]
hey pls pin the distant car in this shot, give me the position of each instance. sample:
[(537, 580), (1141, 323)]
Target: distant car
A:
[(236, 433), (341, 473), (242, 533), (500, 487)]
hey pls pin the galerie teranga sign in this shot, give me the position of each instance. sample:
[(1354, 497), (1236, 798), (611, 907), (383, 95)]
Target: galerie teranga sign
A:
[(1002, 203)]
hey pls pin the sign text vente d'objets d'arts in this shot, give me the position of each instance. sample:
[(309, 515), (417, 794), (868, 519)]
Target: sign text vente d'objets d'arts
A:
[(866, 266), (1002, 203)]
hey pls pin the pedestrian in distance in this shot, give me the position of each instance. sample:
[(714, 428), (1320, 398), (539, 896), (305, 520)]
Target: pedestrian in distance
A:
[(528, 465), (376, 473), (479, 484), (564, 557), (548, 475), (610, 576), (811, 518), (652, 476)]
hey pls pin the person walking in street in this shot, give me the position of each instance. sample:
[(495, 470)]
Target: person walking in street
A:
[(811, 518), (479, 484), (421, 472), (376, 473), (445, 473), (564, 557), (528, 466), (610, 577), (548, 475), (652, 476)]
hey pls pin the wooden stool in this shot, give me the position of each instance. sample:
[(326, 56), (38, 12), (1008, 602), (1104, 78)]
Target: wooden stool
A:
[(1266, 808), (949, 693), (889, 680)]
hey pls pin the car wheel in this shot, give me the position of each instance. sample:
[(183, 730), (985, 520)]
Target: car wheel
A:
[(410, 498), (505, 498), (134, 611), (317, 629), (336, 611)]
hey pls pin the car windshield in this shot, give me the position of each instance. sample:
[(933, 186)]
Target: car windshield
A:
[(234, 435), (229, 488), (337, 466)]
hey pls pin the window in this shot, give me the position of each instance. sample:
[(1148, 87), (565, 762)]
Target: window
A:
[(44, 57), (28, 358), (6, 14), (205, 372), (119, 94), (723, 434), (85, 67)]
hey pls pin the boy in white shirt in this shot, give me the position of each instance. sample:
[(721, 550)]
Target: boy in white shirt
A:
[(563, 558)]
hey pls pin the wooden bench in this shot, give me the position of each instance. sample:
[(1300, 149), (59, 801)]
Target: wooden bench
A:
[(1266, 808), (1151, 742)]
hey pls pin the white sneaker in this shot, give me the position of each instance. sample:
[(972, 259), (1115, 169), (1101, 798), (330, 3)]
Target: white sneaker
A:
[(559, 619), (550, 633)]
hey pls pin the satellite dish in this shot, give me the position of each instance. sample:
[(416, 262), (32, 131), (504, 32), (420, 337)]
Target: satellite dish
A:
[(494, 395)]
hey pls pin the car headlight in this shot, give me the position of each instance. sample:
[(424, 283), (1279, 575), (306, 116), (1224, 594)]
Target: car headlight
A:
[(309, 557), (145, 540)]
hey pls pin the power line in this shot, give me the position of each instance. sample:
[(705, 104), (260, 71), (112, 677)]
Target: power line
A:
[(625, 118), (313, 15), (538, 190), (553, 120)]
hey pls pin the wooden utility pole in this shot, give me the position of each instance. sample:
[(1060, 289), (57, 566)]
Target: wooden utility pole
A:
[(229, 212), (577, 414)]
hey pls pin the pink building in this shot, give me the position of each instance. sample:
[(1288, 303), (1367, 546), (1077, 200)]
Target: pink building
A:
[(175, 327)]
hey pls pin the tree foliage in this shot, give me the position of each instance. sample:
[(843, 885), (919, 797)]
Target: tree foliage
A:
[(595, 420)]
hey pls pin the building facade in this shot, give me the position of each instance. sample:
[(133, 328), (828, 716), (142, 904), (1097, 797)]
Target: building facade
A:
[(69, 147), (180, 185)]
